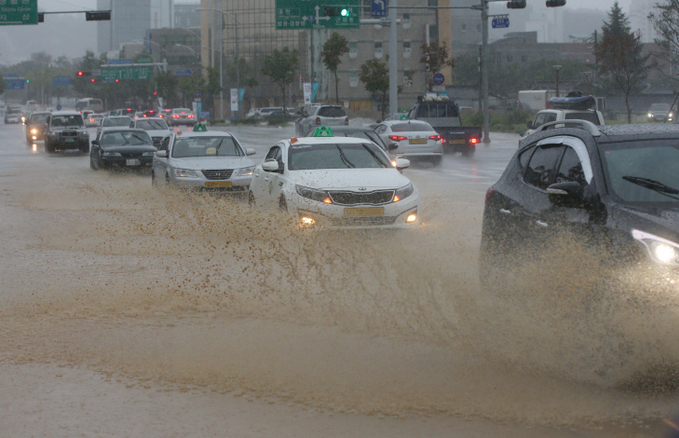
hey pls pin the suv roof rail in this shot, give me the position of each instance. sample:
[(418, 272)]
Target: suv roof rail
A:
[(574, 123)]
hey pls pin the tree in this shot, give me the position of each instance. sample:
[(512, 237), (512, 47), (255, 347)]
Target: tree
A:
[(281, 66), (166, 83), (240, 73), (619, 55), (375, 75), (434, 58), (333, 49), (665, 20), (2, 85)]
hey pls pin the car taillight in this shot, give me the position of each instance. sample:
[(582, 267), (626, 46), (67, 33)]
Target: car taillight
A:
[(489, 193), (191, 116), (175, 116), (435, 137), (318, 121), (397, 137), (346, 120), (473, 140)]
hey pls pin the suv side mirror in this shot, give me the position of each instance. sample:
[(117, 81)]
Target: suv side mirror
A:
[(566, 194)]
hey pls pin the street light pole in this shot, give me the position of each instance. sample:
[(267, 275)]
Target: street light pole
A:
[(557, 68), (484, 70)]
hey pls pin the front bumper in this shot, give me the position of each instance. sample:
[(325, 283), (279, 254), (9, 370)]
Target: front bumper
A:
[(63, 143), (132, 162), (233, 184)]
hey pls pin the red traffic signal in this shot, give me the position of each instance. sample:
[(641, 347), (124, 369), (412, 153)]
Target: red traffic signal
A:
[(155, 93), (80, 73), (92, 80)]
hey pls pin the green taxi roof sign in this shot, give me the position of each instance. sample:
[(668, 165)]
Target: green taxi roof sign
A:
[(200, 127), (323, 131)]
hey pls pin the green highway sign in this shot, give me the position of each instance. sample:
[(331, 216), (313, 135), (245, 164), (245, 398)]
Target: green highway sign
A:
[(18, 12), (145, 60), (317, 14), (110, 74)]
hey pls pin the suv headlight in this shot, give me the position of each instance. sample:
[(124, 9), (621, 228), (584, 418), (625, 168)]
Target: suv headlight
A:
[(316, 195), (185, 173), (246, 171), (403, 192), (110, 154), (660, 250)]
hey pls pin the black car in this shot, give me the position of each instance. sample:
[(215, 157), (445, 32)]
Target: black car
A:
[(122, 147), (66, 130), (358, 132), (36, 126), (613, 190)]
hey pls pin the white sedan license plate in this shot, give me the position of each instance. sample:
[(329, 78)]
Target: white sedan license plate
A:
[(218, 184), (132, 162), (418, 141), (364, 211)]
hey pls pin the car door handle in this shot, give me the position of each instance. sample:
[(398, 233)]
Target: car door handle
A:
[(542, 224), (266, 178), (505, 211)]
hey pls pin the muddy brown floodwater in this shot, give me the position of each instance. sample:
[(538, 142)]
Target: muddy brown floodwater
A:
[(128, 311)]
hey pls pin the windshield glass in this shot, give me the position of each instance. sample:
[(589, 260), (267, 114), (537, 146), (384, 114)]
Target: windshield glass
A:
[(39, 118), (656, 161), (336, 156), (182, 111), (368, 135), (206, 147), (411, 127), (117, 121), (125, 139), (151, 125), (331, 111), (660, 107), (70, 121)]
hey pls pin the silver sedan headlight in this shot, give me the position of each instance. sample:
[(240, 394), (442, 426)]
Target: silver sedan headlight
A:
[(246, 171), (185, 173), (660, 250)]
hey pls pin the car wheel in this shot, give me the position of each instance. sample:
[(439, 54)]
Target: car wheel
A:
[(282, 204), (468, 151), (93, 163)]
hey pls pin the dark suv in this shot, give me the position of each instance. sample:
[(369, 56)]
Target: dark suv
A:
[(66, 130), (612, 191)]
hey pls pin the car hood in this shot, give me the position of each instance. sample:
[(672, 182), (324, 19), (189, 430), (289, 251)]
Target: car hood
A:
[(212, 162), (130, 148), (661, 221), (350, 179)]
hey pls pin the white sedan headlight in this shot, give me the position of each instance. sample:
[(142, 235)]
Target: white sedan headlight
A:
[(660, 250), (316, 195), (403, 192), (185, 173), (246, 171)]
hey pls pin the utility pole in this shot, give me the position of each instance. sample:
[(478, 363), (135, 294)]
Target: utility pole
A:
[(484, 70), (393, 58)]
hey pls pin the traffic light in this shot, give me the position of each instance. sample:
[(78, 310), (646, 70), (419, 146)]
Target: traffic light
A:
[(516, 4), (98, 16), (555, 3), (331, 11), (92, 80), (82, 74)]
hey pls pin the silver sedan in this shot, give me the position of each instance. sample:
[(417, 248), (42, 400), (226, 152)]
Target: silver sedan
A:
[(416, 140), (203, 161)]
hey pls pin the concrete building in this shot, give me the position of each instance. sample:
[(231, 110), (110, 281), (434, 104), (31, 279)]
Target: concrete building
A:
[(638, 19)]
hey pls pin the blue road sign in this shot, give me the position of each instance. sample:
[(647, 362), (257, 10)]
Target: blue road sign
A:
[(10, 76), (15, 84), (438, 79), (378, 8), (183, 72), (59, 107), (500, 22), (61, 81), (120, 61)]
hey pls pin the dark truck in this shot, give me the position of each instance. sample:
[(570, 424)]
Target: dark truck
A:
[(443, 115)]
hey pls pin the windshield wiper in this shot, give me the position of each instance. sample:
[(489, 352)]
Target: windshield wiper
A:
[(365, 146), (344, 157), (654, 185)]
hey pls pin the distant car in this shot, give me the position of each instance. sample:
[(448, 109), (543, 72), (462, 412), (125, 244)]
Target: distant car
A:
[(335, 182), (416, 140), (66, 130), (358, 132), (36, 126), (321, 115), (264, 113), (31, 106), (661, 112), (150, 113), (138, 115), (93, 119), (155, 127), (164, 113), (253, 113), (181, 116), (121, 147), (13, 115), (280, 115), (212, 160)]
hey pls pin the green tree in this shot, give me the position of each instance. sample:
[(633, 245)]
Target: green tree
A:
[(189, 86), (240, 73), (375, 75), (209, 89), (333, 49), (281, 66), (621, 63), (434, 58), (166, 84)]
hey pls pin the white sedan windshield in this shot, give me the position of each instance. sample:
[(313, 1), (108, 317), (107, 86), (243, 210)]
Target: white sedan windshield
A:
[(336, 156)]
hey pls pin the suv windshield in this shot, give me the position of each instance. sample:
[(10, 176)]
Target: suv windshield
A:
[(70, 121), (643, 171), (39, 118), (660, 107), (206, 147), (336, 156)]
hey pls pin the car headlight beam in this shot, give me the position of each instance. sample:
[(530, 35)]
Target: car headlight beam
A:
[(660, 250)]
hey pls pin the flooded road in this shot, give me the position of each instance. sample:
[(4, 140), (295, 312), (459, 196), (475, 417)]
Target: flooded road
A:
[(128, 311)]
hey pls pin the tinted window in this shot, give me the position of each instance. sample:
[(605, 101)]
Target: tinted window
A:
[(331, 111), (570, 169), (117, 121), (437, 109), (540, 170), (151, 125), (585, 115), (39, 118), (411, 127)]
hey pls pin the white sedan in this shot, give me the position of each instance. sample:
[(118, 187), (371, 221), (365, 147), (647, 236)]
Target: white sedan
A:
[(416, 140), (155, 127), (336, 182), (208, 160)]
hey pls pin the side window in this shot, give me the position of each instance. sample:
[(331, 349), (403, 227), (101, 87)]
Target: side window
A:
[(539, 120), (570, 169), (542, 166), (272, 153), (524, 157), (165, 145), (550, 117), (422, 110)]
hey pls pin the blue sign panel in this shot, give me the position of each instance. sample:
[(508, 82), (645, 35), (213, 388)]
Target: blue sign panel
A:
[(10, 76), (120, 61), (500, 22), (183, 72), (61, 81), (378, 8), (438, 79), (15, 84)]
